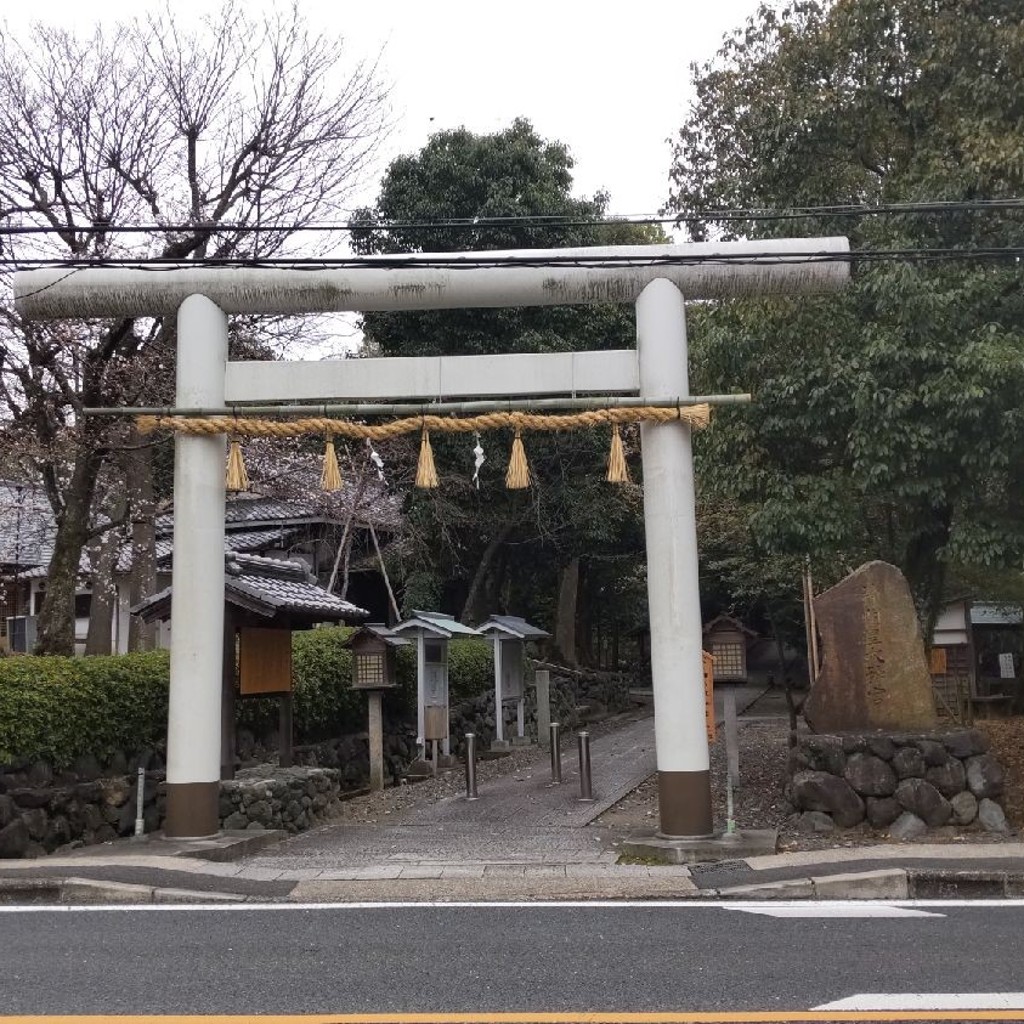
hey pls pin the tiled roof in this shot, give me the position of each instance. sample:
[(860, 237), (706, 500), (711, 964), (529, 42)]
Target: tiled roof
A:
[(285, 586), (996, 615), (234, 540), (375, 505), (268, 586), (26, 525)]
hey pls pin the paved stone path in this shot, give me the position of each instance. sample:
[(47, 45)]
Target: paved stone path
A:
[(520, 821)]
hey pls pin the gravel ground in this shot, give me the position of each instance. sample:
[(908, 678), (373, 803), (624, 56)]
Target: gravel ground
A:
[(759, 802)]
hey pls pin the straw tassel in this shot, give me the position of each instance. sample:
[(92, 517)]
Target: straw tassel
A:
[(518, 475), (237, 478), (618, 468), (426, 474), (330, 478)]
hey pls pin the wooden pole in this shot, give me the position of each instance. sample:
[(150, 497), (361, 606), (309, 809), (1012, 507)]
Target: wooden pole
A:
[(814, 621), (285, 729), (376, 735), (807, 628), (384, 572), (227, 707)]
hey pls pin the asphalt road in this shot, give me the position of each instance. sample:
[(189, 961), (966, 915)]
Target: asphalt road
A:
[(488, 958)]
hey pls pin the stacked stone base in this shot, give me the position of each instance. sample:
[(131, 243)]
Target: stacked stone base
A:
[(903, 783), (285, 798)]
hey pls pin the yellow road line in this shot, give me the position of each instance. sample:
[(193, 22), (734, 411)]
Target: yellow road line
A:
[(580, 1017)]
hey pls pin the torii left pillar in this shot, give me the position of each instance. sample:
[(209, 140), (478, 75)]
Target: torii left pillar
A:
[(197, 597)]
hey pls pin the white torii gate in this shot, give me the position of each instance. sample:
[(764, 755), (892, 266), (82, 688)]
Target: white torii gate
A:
[(655, 278)]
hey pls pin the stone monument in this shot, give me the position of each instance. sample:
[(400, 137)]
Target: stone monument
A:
[(874, 674)]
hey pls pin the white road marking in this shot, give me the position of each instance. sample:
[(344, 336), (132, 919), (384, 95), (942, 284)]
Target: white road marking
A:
[(929, 1001), (801, 905), (843, 910)]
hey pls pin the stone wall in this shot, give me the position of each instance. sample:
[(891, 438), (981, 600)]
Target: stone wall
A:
[(39, 816), (574, 700), (286, 798), (35, 820), (904, 783)]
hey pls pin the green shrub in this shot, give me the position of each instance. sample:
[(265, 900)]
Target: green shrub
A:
[(59, 709)]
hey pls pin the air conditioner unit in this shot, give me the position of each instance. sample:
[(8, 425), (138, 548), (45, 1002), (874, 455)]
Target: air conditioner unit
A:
[(21, 633)]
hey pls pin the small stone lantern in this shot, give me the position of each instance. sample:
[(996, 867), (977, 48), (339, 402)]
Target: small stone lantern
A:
[(373, 649)]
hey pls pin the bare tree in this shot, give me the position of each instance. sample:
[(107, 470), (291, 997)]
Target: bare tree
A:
[(209, 132)]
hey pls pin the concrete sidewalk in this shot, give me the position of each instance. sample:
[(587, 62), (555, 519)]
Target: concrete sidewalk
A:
[(993, 870)]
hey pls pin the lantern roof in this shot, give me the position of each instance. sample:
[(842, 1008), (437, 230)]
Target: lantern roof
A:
[(512, 627), (380, 631), (434, 624)]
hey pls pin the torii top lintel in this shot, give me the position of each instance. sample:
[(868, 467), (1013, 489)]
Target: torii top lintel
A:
[(551, 277)]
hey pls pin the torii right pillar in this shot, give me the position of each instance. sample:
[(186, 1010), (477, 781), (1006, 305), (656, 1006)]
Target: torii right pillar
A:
[(670, 519)]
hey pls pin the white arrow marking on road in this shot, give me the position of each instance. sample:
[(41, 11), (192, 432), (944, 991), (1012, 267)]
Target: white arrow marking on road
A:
[(830, 910), (929, 1001)]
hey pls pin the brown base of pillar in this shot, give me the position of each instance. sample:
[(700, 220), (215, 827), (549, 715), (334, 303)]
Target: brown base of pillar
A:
[(192, 810), (684, 805)]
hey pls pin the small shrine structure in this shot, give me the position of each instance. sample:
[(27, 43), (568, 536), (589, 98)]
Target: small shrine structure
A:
[(510, 635), (265, 601), (432, 631)]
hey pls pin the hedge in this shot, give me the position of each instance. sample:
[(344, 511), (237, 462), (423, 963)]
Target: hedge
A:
[(59, 709)]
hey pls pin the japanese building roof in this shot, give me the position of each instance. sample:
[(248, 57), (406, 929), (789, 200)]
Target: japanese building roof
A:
[(26, 526), (727, 622), (268, 587), (996, 615), (244, 541)]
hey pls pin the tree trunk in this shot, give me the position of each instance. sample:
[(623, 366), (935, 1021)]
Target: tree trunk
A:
[(56, 627), (473, 609), (565, 613), (102, 557), (141, 635), (925, 568)]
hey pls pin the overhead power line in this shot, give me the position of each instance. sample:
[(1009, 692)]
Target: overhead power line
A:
[(715, 215), (477, 260)]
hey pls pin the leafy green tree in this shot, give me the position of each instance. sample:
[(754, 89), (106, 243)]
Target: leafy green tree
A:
[(477, 551), (887, 420)]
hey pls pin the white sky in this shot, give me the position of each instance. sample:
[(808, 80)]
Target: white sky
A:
[(609, 79)]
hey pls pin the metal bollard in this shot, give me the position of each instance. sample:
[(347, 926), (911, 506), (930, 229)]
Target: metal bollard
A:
[(471, 793), (556, 754), (140, 799), (586, 789)]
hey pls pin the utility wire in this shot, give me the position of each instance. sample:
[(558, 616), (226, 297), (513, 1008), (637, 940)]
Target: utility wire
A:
[(715, 215), (477, 260)]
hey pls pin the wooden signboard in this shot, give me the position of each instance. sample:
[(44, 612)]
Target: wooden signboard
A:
[(264, 661), (709, 695), (937, 660)]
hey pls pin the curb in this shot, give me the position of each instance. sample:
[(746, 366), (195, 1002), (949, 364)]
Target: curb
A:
[(886, 884), (87, 891)]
